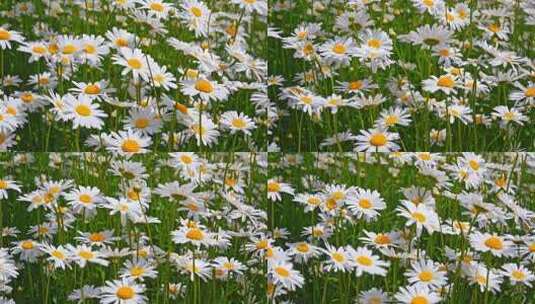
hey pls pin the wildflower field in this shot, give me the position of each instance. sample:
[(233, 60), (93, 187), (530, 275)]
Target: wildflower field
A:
[(414, 228), (157, 229), (133, 75), (418, 75)]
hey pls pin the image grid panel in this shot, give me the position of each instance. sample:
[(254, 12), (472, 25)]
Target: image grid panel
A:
[(267, 151)]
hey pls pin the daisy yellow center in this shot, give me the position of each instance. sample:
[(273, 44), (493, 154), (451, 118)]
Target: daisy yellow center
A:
[(474, 165), (508, 116), (53, 48), (375, 43), (142, 123), (250, 1), (27, 245), (195, 234), (425, 276), (378, 140), (308, 49), (197, 12), (228, 266), (134, 63), (375, 300), (333, 102), (3, 183), (518, 275), (530, 92), (130, 145), (85, 198), (11, 110), (382, 239), (454, 113), (444, 52), (90, 49), (55, 189), (121, 42), (197, 129), (428, 2), (495, 28), (26, 97), (274, 187), (155, 6), (316, 232), (137, 271), (83, 110), (302, 247), (39, 49), (159, 78), (204, 86), (181, 108), (364, 260), (494, 243), (330, 203), (419, 300), (4, 35), (419, 217), (125, 293), (446, 82), (314, 201), (239, 123), (86, 255), (531, 248), (391, 120), (365, 203), (262, 244), (92, 89), (338, 257), (356, 85), (133, 195), (69, 49), (96, 237), (283, 272), (501, 182), (338, 195), (481, 279), (306, 100), (231, 30), (58, 254), (230, 181), (302, 35), (186, 159), (339, 48)]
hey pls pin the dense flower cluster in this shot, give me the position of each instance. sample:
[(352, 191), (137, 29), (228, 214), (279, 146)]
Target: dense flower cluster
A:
[(402, 75), (405, 227), (133, 75), (157, 227)]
